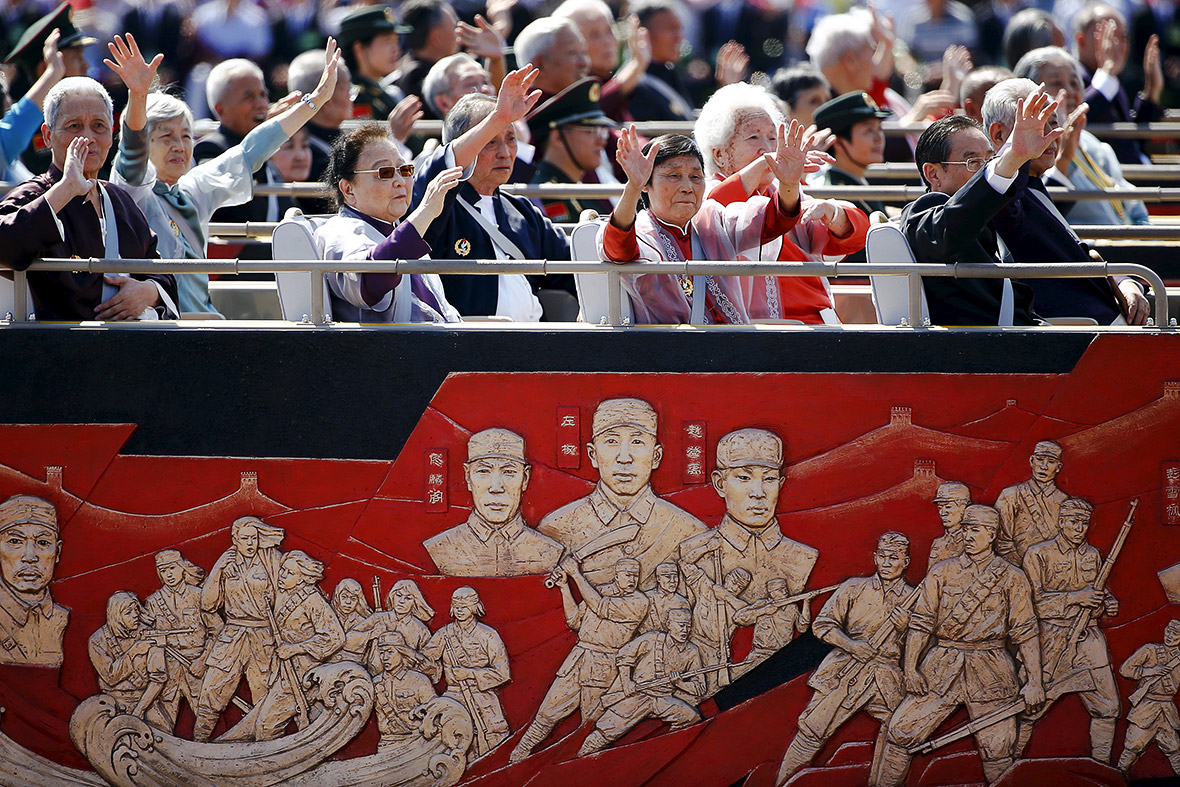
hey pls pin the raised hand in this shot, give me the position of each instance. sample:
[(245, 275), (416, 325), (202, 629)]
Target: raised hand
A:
[(1029, 139), (73, 179), (635, 164), (516, 96), (821, 139), (936, 103), (434, 198), (55, 64), (283, 104), (327, 84), (732, 63), (1074, 125), (403, 117), (956, 64), (639, 42), (483, 40), (137, 74), (1105, 46), (1153, 73), (790, 156)]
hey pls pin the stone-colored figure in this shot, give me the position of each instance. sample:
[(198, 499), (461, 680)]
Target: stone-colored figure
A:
[(622, 517), (714, 605), (397, 691), (31, 625), (664, 598), (607, 619), (660, 658), (1028, 510), (749, 478), (129, 661), (241, 586), (177, 605), (952, 499), (494, 541), (1062, 573), (1153, 716), (973, 606), (352, 610), (855, 675), (407, 613), (775, 624), (308, 634), (475, 663)]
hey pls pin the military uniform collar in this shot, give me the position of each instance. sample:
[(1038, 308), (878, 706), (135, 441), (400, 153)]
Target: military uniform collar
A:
[(640, 510), (484, 530), (1065, 546), (1042, 490), (966, 561), (896, 587), (740, 537), (20, 610)]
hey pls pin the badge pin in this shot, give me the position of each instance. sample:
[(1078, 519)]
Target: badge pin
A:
[(462, 247)]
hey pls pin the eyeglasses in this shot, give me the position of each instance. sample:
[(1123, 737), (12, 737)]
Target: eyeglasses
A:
[(973, 164), (387, 173)]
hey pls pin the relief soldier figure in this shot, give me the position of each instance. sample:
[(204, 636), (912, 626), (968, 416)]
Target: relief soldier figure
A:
[(494, 541), (973, 606), (31, 625), (241, 586), (658, 677), (475, 664), (607, 619), (1028, 510), (863, 621), (407, 613), (775, 624), (1062, 573), (714, 605), (664, 598), (622, 517), (352, 610), (177, 605), (952, 499), (397, 691), (129, 660), (1153, 715), (749, 478)]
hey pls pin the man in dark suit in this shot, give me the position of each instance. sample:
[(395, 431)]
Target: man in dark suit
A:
[(968, 186), (478, 220)]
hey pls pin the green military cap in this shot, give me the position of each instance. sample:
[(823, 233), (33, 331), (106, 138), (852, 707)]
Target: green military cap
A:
[(27, 51), (844, 112), (577, 104), (367, 22)]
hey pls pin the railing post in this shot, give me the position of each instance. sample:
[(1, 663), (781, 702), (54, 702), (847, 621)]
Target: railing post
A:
[(915, 282), (317, 297), (614, 298), (20, 283)]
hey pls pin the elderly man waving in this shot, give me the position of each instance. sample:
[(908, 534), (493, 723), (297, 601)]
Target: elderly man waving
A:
[(68, 212)]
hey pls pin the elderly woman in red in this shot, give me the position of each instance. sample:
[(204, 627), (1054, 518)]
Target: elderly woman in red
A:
[(736, 129), (678, 223)]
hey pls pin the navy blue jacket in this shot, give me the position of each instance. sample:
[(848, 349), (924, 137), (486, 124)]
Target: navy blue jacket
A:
[(1121, 110)]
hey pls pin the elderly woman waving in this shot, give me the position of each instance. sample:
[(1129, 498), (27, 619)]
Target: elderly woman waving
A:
[(155, 160)]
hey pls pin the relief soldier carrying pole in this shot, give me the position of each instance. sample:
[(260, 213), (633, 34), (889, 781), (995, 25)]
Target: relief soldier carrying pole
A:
[(775, 619), (714, 606), (1153, 715)]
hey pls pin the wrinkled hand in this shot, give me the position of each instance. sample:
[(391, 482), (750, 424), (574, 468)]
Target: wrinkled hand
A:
[(434, 197), (483, 40), (732, 64), (1074, 125), (821, 138), (915, 683), (55, 64), (790, 156), (821, 210), (1153, 72), (956, 64), (130, 301), (635, 164), (283, 104), (327, 84), (137, 74), (1034, 695), (403, 117), (1137, 307), (936, 103), (74, 181), (1028, 139), (639, 42), (516, 96)]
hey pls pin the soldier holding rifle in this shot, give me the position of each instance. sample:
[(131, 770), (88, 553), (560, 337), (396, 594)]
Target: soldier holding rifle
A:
[(1153, 715)]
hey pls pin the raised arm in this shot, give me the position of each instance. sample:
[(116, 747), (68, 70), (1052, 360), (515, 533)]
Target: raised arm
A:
[(1028, 139), (55, 69), (638, 168), (293, 118), (513, 102)]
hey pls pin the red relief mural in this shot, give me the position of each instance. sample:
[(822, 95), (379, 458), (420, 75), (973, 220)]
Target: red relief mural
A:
[(777, 578)]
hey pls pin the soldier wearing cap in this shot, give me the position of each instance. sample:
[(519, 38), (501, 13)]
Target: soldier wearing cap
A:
[(494, 541), (31, 625), (664, 598), (623, 508), (749, 478), (397, 691), (1028, 510), (370, 42), (1153, 715), (855, 119), (970, 610), (573, 130), (952, 499), (1062, 572)]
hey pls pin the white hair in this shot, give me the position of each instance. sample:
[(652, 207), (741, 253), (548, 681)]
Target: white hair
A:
[(74, 86), (999, 105), (221, 74), (539, 37), (836, 35), (440, 76), (306, 69), (572, 9), (719, 117), (467, 111), (1035, 61)]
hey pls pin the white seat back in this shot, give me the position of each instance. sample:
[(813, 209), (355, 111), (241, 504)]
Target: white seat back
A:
[(8, 299), (592, 287), (294, 239), (885, 244)]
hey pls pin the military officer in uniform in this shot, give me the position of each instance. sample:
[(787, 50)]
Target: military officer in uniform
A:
[(664, 598), (1153, 717), (857, 674), (855, 119), (714, 607), (625, 449), (31, 625), (974, 607), (495, 541), (369, 44), (952, 499), (397, 691), (1028, 510)]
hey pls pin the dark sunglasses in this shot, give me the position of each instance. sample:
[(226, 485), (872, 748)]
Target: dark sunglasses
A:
[(387, 173)]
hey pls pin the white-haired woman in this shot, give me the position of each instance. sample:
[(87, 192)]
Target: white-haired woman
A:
[(155, 159)]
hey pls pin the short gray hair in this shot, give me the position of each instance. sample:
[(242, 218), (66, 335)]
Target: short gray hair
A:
[(468, 111), (74, 86), (440, 76), (1034, 62), (836, 35), (719, 117), (162, 107), (999, 105), (540, 36), (306, 69), (221, 74), (572, 9)]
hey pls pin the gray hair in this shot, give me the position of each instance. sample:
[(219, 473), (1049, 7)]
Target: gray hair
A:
[(836, 35), (74, 86), (440, 76), (306, 69), (1034, 62), (999, 105), (719, 117), (468, 111), (162, 107), (539, 38), (572, 9), (221, 74)]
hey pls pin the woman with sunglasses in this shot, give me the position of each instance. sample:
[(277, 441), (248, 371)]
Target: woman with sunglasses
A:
[(372, 184), (155, 161)]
